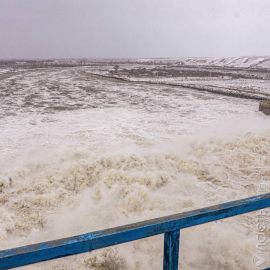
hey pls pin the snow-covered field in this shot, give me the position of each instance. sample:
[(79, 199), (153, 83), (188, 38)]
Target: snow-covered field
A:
[(80, 153), (247, 77)]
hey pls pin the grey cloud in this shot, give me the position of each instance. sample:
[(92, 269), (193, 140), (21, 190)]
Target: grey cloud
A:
[(133, 28)]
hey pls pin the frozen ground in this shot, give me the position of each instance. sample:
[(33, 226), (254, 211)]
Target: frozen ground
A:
[(248, 77), (80, 153)]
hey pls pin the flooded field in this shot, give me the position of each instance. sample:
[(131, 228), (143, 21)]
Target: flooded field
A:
[(80, 153)]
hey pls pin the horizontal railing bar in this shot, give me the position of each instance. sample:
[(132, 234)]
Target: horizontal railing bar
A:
[(95, 240)]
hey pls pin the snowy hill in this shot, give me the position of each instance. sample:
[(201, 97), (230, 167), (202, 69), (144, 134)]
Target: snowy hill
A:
[(241, 62)]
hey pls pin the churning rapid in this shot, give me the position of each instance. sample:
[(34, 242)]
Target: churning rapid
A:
[(82, 153)]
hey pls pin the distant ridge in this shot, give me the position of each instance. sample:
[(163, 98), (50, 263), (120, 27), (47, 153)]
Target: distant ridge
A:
[(236, 62)]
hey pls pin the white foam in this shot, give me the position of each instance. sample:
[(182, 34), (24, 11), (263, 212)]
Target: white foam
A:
[(74, 172)]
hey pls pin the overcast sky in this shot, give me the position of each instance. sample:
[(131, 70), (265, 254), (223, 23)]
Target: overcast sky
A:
[(133, 28)]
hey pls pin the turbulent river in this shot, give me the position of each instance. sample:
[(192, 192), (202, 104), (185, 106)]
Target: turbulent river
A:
[(80, 153)]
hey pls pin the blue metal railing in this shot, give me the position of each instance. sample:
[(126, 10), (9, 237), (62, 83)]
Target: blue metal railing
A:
[(169, 225)]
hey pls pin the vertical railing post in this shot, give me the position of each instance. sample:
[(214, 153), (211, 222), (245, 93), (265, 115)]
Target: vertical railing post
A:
[(171, 250)]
